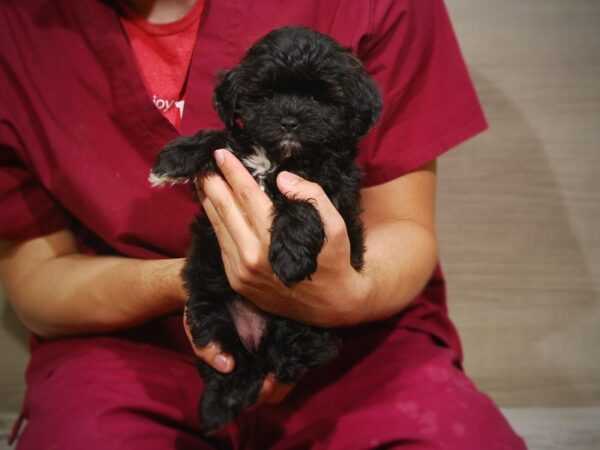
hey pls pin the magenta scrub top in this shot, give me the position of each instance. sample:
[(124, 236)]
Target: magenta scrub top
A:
[(79, 133)]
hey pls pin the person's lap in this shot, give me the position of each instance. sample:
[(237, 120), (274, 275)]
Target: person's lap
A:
[(388, 389), (113, 394), (406, 393)]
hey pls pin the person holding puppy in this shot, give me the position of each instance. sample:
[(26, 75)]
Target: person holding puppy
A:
[(91, 255)]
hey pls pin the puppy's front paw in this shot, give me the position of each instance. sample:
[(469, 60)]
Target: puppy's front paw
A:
[(170, 168), (297, 237), (182, 159)]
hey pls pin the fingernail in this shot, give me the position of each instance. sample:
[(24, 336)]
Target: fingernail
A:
[(222, 363), (289, 178), (219, 156)]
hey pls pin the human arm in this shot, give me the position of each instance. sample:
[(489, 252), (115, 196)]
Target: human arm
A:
[(57, 291), (399, 217)]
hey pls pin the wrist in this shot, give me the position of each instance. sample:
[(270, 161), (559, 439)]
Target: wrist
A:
[(163, 280), (353, 308), (179, 292)]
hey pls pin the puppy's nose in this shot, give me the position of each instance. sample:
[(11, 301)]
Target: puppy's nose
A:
[(289, 123)]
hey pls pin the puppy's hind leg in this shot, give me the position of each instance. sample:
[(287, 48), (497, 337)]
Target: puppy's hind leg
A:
[(225, 396), (185, 157)]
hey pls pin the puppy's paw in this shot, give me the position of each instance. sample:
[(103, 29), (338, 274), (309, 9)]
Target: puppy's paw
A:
[(183, 158), (297, 237), (226, 396), (217, 410), (170, 167)]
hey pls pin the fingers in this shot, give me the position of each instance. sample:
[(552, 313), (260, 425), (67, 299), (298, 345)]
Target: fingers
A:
[(241, 206), (210, 354), (242, 251), (241, 216), (293, 186), (247, 193), (228, 220)]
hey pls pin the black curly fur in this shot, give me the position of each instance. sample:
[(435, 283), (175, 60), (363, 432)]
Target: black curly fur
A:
[(306, 101)]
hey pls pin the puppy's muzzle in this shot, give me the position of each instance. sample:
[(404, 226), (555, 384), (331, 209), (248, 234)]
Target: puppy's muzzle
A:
[(288, 146)]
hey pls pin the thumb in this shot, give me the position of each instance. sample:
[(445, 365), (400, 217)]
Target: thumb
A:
[(296, 187), (211, 354), (287, 183)]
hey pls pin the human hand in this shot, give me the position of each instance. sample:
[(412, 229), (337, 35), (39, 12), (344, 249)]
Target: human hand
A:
[(241, 214)]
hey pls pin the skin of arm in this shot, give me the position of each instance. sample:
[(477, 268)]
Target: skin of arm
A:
[(57, 291)]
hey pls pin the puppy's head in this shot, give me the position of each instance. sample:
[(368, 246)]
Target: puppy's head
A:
[(297, 91)]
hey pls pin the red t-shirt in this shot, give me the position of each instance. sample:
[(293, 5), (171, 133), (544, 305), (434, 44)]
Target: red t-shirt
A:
[(163, 53), (79, 132)]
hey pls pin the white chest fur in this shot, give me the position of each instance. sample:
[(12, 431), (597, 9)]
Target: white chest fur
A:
[(259, 165)]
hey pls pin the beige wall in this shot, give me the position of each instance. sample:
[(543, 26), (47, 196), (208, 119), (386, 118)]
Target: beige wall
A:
[(13, 358), (519, 215)]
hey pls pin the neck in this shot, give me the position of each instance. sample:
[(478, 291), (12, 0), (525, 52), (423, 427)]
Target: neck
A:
[(161, 11)]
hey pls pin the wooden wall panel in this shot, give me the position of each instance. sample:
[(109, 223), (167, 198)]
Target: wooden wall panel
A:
[(519, 207), (13, 359)]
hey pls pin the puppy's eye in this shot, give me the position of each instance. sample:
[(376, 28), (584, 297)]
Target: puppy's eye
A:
[(314, 99), (268, 95)]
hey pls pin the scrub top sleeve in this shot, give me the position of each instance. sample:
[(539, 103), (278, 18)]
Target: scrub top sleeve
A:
[(430, 104), (26, 208)]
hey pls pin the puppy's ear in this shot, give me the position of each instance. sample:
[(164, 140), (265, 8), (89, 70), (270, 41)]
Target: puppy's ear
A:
[(226, 95), (364, 97)]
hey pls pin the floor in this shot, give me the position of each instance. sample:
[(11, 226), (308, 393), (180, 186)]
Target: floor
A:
[(543, 428), (576, 428)]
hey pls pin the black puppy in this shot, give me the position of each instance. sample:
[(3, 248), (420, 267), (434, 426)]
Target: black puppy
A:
[(298, 101)]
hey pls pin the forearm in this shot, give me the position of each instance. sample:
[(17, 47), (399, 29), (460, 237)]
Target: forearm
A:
[(57, 291), (92, 294), (399, 260)]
